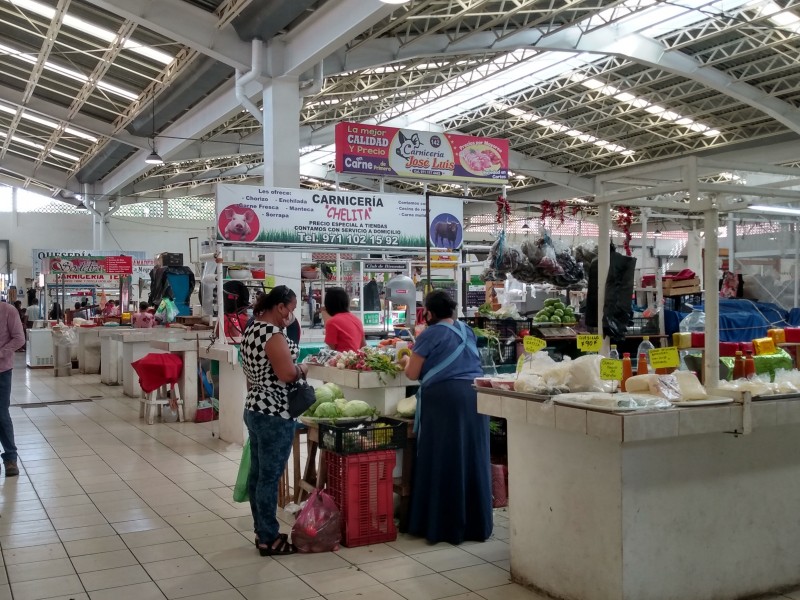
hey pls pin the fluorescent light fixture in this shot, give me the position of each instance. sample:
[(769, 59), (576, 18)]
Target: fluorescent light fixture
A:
[(779, 210), (657, 233)]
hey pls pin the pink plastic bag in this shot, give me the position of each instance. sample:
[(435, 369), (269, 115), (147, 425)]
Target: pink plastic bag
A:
[(318, 527)]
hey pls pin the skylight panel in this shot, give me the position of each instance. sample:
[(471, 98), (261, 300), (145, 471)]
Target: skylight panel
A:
[(116, 90), (637, 102), (532, 117), (93, 30), (47, 122)]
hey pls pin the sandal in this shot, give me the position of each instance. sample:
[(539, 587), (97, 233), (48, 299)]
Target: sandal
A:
[(279, 547), (284, 536)]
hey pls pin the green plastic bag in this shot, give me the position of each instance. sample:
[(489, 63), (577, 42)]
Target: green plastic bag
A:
[(240, 489)]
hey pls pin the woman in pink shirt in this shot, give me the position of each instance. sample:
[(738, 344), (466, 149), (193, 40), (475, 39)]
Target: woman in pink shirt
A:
[(143, 319), (343, 330)]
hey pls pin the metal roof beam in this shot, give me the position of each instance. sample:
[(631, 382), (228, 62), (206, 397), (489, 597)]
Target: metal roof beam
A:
[(328, 28), (618, 39), (300, 51), (42, 173), (56, 112), (216, 108), (186, 24)]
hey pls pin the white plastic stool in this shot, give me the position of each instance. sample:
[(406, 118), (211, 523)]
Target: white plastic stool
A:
[(151, 402)]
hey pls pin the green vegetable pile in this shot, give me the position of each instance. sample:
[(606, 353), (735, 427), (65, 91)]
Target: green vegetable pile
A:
[(555, 311)]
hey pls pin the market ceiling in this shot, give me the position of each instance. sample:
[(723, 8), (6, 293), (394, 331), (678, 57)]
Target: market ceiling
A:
[(577, 87)]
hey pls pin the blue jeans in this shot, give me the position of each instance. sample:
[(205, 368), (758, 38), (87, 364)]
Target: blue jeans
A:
[(270, 445), (6, 426)]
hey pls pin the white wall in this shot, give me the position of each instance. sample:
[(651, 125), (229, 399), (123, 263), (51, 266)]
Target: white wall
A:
[(42, 230)]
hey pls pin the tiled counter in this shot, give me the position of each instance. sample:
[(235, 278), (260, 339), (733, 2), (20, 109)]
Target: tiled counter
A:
[(376, 389), (663, 505), (232, 391)]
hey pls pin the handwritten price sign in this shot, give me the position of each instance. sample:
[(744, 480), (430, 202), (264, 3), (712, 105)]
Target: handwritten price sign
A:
[(589, 343), (664, 358), (610, 369), (533, 344)]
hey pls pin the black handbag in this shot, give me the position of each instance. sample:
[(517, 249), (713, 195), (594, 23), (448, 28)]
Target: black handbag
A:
[(301, 397)]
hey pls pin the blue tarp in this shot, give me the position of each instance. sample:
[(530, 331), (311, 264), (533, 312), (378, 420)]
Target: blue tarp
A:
[(741, 320)]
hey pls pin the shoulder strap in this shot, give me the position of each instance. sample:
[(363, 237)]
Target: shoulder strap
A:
[(461, 332)]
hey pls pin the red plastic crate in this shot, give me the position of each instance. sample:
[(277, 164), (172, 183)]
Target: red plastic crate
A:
[(362, 487)]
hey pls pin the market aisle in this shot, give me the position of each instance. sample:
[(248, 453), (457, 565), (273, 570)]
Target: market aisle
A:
[(39, 386), (108, 508)]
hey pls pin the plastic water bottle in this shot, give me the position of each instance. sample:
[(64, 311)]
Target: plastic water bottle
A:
[(614, 354), (643, 356)]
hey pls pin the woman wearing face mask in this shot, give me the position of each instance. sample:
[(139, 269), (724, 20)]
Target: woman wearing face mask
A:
[(451, 499), (268, 358)]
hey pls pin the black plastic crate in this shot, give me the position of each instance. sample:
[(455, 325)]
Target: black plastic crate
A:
[(350, 440), (507, 328), (507, 354)]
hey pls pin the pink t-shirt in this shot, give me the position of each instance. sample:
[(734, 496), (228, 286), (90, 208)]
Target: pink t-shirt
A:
[(12, 336), (143, 320), (344, 331)]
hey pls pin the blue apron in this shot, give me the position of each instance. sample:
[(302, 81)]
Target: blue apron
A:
[(465, 344)]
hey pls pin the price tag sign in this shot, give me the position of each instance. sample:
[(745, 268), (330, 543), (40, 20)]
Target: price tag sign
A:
[(589, 343), (611, 369), (533, 344), (664, 358)]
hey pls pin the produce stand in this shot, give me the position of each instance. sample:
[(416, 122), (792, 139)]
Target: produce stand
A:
[(232, 391), (677, 503), (379, 390)]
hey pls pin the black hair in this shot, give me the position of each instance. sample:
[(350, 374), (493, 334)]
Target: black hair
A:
[(440, 304), (279, 295), (336, 301), (77, 306), (143, 305)]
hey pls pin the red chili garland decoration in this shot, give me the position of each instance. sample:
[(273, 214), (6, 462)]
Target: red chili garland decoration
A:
[(623, 220), (548, 210), (562, 204), (503, 207)]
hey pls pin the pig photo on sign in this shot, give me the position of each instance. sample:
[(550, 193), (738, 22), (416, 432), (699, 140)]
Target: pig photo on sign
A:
[(238, 225), (446, 232)]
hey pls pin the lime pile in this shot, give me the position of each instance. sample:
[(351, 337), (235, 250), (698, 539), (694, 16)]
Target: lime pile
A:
[(555, 311)]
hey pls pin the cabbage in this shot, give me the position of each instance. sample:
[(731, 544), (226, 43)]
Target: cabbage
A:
[(322, 394), (407, 406), (327, 410), (335, 390), (357, 408), (340, 403)]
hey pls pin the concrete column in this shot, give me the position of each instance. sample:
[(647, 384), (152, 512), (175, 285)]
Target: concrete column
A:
[(710, 272), (281, 108)]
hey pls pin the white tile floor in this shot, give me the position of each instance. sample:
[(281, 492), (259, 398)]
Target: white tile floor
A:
[(108, 508)]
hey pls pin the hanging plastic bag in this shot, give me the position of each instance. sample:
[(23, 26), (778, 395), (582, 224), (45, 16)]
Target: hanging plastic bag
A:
[(240, 489), (318, 527), (694, 321), (167, 311)]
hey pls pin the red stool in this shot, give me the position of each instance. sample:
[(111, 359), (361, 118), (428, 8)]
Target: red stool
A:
[(158, 374)]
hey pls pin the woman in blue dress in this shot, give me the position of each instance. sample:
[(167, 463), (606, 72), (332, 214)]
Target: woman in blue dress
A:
[(451, 500)]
